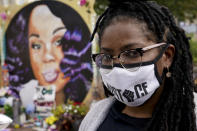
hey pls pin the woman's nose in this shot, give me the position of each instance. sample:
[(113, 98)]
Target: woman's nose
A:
[(116, 60), (48, 53)]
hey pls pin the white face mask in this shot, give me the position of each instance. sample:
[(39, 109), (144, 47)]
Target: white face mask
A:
[(132, 88)]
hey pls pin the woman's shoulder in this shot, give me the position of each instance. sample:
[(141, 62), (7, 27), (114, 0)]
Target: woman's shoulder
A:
[(103, 102), (101, 106), (96, 114)]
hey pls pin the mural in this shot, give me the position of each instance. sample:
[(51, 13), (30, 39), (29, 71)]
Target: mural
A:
[(47, 44)]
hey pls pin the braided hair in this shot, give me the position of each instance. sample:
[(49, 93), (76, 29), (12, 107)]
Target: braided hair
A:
[(175, 108)]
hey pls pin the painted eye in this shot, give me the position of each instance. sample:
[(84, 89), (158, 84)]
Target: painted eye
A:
[(58, 42), (36, 46)]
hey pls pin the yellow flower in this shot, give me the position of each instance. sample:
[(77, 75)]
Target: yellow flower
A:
[(16, 126), (58, 111), (50, 120)]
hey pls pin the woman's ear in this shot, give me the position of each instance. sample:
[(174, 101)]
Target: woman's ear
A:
[(168, 56)]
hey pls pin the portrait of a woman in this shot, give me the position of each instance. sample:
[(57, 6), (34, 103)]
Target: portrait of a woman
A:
[(47, 43)]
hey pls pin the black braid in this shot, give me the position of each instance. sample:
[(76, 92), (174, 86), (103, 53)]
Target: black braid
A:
[(97, 24), (175, 109)]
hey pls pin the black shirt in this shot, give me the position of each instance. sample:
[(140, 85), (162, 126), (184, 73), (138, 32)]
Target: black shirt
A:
[(117, 121)]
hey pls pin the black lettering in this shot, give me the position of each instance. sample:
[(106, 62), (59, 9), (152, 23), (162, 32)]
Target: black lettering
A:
[(119, 93), (129, 95), (115, 91), (140, 89), (111, 89), (144, 86), (136, 90)]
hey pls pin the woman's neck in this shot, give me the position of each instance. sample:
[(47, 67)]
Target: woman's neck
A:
[(146, 110)]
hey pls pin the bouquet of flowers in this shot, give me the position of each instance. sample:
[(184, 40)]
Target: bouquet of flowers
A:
[(66, 117)]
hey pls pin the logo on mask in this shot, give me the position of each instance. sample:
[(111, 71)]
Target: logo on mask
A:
[(139, 91)]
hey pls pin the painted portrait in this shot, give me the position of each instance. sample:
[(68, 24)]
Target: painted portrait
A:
[(47, 43)]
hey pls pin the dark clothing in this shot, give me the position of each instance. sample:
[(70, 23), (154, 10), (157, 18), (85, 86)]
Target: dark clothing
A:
[(117, 121)]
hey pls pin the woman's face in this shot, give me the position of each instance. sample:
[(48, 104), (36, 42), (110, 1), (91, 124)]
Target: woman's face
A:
[(121, 36), (45, 50)]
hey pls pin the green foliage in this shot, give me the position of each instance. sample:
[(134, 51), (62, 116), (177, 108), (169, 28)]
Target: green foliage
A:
[(193, 49), (182, 9), (70, 111), (72, 108), (8, 111), (100, 6)]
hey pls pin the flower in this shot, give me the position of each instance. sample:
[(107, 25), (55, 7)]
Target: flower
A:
[(77, 103), (59, 111), (50, 120), (52, 128), (82, 2), (66, 116), (16, 126), (3, 16)]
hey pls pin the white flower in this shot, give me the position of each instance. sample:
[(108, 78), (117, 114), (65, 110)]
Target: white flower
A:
[(75, 111), (70, 107)]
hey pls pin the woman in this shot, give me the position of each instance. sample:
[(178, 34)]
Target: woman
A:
[(146, 68), (45, 43)]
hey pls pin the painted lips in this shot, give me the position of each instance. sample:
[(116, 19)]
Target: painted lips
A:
[(50, 75)]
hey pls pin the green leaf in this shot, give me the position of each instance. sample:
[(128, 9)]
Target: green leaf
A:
[(181, 9)]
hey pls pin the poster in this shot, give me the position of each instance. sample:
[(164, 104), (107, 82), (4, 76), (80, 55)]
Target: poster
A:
[(47, 43)]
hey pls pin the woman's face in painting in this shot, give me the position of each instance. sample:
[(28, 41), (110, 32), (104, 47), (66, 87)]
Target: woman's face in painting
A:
[(45, 50)]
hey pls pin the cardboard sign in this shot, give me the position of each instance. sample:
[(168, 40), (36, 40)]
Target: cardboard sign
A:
[(44, 98)]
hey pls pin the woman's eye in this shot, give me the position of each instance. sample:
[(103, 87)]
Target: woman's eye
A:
[(36, 46), (106, 58), (131, 54), (58, 42)]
